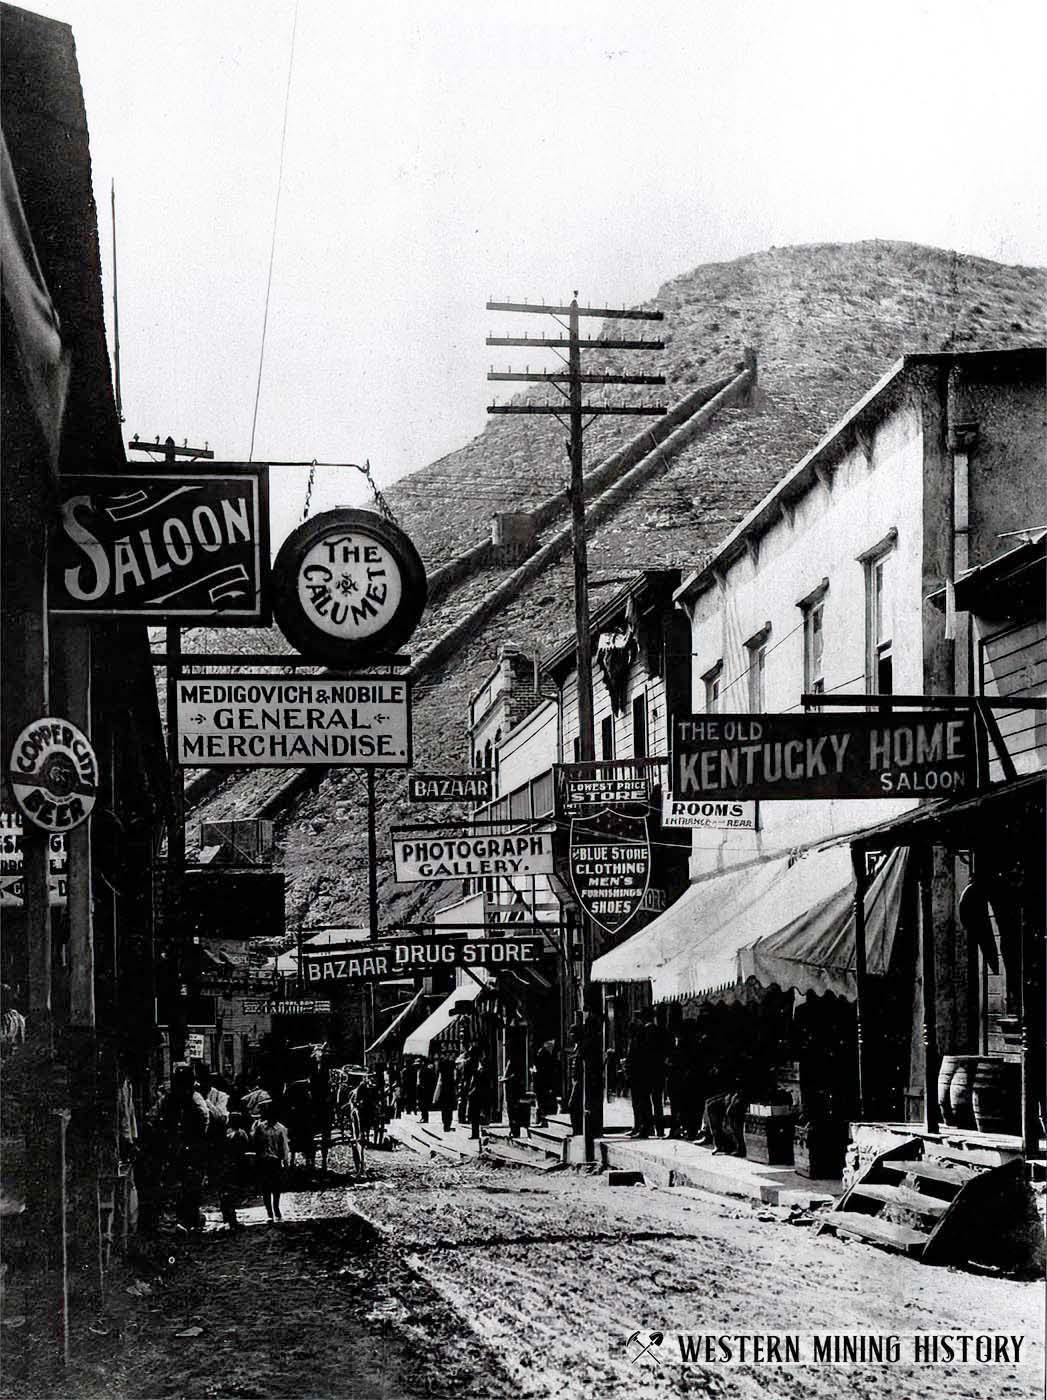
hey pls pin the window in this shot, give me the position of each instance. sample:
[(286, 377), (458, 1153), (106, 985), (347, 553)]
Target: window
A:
[(607, 737), (756, 647), (640, 727), (879, 621), (711, 680), (576, 748), (813, 609)]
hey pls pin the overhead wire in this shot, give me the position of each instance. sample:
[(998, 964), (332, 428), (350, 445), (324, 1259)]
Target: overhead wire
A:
[(272, 246)]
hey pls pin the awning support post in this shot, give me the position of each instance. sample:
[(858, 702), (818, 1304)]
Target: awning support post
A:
[(930, 993), (861, 884)]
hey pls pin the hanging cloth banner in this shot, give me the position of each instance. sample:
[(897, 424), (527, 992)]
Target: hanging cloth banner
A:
[(610, 866)]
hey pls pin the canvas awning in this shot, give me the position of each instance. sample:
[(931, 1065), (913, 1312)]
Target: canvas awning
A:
[(396, 1022), (419, 1041), (783, 924)]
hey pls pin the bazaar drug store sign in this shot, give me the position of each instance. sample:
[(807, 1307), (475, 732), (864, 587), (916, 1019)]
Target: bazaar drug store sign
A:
[(12, 884), (280, 722), (746, 757), (164, 544), (396, 958), (420, 858)]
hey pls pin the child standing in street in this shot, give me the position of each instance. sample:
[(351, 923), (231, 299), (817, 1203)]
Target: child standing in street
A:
[(272, 1151)]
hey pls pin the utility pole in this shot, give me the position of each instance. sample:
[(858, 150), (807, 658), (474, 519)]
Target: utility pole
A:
[(574, 379), (176, 836)]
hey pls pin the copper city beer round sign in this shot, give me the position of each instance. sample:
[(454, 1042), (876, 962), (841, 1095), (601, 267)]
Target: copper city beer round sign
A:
[(54, 774), (347, 585)]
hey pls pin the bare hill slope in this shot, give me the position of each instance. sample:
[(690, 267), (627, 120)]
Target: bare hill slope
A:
[(826, 322)]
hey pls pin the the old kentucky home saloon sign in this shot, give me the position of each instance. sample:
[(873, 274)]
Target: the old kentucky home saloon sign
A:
[(346, 585), (164, 544), (739, 757)]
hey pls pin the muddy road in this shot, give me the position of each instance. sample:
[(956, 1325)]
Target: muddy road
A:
[(436, 1279)]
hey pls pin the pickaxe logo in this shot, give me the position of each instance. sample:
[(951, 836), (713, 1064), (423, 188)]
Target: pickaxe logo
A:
[(645, 1342)]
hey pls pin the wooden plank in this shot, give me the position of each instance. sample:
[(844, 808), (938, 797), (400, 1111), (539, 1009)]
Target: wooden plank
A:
[(870, 1227), (901, 1196), (931, 1171)]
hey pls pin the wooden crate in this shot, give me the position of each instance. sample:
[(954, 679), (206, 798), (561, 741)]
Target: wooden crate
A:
[(769, 1140)]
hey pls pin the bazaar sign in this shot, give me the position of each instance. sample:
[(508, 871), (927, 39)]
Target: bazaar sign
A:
[(167, 544), (12, 882), (583, 788), (369, 962), (348, 585), (708, 816), (745, 757), (609, 860), (54, 774), (419, 858), (477, 786), (292, 722)]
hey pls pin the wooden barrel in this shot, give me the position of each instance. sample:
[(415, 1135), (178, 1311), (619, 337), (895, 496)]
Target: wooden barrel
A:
[(945, 1076), (961, 1091), (997, 1096)]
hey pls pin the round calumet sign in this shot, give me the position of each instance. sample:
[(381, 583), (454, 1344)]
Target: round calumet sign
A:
[(348, 585), (54, 774)]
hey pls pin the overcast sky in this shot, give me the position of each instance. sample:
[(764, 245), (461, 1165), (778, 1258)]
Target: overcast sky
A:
[(441, 153)]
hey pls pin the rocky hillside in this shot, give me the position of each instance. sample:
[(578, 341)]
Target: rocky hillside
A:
[(826, 322)]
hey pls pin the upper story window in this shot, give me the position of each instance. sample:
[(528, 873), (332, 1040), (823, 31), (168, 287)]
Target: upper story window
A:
[(711, 681), (607, 737), (880, 582), (640, 726), (813, 609), (576, 748), (756, 648)]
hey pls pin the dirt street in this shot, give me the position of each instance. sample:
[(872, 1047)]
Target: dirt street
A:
[(477, 1281)]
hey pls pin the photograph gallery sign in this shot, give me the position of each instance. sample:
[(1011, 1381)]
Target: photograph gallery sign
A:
[(166, 544), (420, 858), (291, 722), (799, 756)]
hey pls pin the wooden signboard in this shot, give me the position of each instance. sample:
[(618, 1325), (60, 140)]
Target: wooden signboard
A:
[(291, 722), (609, 859), (420, 858), (372, 962), (168, 544), (477, 786), (739, 758)]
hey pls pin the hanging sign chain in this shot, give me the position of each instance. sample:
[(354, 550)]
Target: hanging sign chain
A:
[(384, 508)]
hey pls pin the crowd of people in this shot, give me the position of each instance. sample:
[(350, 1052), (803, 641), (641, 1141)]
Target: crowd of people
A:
[(233, 1140)]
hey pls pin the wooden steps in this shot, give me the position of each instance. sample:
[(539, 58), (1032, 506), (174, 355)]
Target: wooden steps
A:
[(902, 1238), (936, 1208), (903, 1198), (948, 1175)]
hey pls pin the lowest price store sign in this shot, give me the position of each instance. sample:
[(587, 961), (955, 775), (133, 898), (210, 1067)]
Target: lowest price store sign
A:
[(370, 962), (290, 722)]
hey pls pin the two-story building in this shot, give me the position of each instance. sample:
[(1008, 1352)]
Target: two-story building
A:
[(854, 578)]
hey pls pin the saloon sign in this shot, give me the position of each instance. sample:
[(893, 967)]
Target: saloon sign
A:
[(742, 757), (276, 722), (419, 858), (369, 962), (165, 544), (54, 774), (347, 585), (610, 866)]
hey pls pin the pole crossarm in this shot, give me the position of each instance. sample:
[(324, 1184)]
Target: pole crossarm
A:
[(928, 702), (606, 313), (562, 377), (564, 343), (628, 410)]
